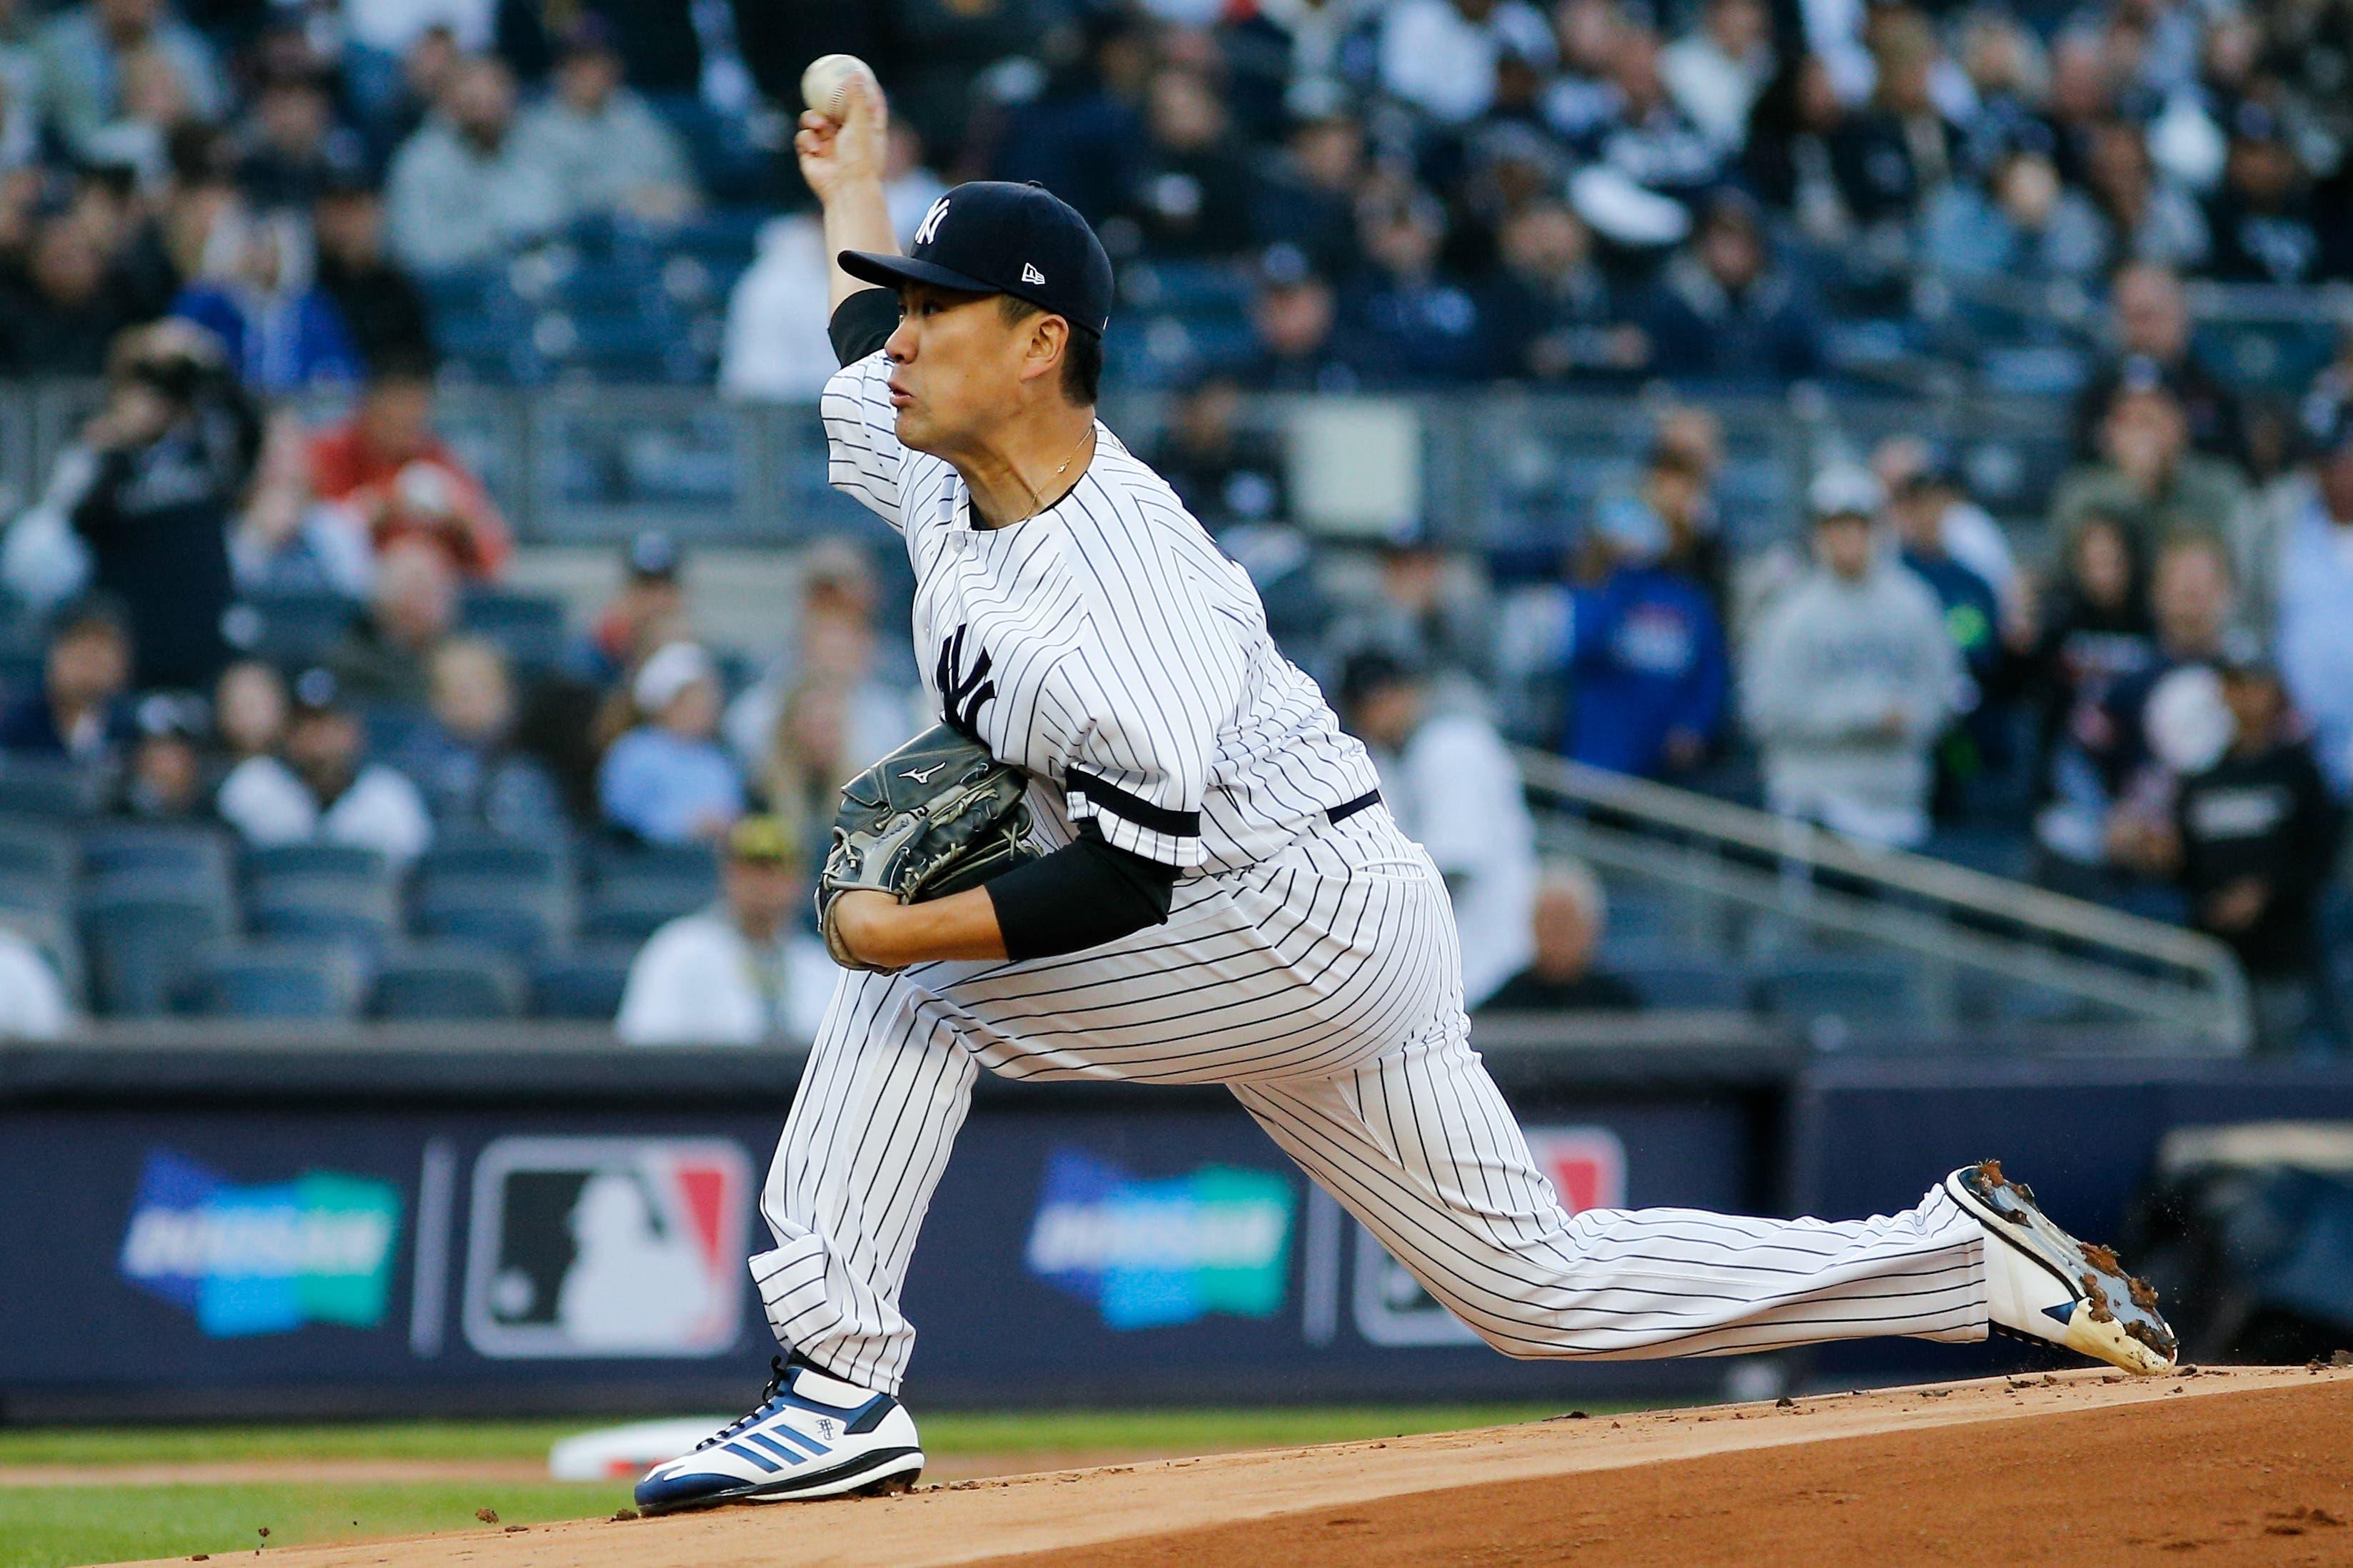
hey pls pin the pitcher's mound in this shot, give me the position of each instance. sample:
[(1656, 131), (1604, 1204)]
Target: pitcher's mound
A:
[(2236, 1466)]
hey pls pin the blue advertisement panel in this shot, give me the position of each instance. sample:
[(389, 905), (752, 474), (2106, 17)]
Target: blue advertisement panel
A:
[(217, 1260)]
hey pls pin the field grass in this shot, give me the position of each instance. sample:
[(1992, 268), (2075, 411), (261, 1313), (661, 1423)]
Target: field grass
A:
[(57, 1526)]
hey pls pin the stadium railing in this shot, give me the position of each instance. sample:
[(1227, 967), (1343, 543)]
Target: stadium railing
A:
[(2180, 990)]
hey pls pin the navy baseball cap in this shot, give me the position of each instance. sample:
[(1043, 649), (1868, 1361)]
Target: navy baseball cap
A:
[(992, 237)]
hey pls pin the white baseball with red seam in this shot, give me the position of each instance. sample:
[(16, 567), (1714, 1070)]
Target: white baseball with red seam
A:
[(825, 85)]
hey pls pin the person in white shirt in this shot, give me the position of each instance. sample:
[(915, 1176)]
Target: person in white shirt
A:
[(322, 789), (1450, 782), (740, 972), (33, 1001)]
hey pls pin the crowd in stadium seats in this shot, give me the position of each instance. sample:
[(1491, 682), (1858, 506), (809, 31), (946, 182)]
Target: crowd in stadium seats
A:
[(258, 610)]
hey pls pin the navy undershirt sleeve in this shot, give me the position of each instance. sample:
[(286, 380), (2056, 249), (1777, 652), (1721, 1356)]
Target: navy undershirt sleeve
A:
[(1082, 895), (862, 323)]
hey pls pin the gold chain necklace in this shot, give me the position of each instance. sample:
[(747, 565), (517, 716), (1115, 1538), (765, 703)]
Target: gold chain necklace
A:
[(1038, 498)]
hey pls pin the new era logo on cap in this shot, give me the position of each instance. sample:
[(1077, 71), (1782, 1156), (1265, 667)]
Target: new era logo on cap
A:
[(1031, 275)]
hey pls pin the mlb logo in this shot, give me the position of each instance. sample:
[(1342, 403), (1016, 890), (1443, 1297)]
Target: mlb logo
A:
[(607, 1247), (1586, 1165)]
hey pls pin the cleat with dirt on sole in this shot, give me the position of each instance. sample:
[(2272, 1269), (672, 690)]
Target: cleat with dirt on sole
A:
[(2042, 1284)]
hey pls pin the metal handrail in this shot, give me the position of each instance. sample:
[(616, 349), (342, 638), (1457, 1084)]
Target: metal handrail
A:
[(2151, 968)]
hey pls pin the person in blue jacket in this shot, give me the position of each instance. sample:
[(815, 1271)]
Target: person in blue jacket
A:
[(1645, 653)]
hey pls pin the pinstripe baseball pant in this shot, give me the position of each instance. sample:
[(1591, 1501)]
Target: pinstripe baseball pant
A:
[(1324, 988)]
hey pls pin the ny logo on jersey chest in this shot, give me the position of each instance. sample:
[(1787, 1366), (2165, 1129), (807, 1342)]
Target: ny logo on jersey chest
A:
[(963, 688)]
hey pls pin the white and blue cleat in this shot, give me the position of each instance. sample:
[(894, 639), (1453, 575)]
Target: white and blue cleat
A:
[(2043, 1284), (811, 1436)]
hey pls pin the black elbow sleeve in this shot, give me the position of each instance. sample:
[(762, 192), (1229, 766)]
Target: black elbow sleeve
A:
[(1082, 895), (863, 323)]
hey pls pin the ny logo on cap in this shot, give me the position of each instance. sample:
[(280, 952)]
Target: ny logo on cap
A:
[(929, 229), (1031, 275)]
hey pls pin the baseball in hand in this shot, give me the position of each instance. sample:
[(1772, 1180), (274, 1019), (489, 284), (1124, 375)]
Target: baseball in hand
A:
[(825, 85)]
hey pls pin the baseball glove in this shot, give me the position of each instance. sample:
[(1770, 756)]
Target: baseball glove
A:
[(935, 816)]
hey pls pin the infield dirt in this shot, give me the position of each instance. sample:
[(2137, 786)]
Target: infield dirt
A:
[(2233, 1466)]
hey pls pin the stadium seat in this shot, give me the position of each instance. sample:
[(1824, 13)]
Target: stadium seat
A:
[(1839, 994), (116, 847), (631, 910), (445, 981), (1686, 986), (623, 864), (34, 893), (584, 984), (480, 854), (277, 980), (293, 629), (142, 946), (521, 918), (329, 866), (362, 916), (528, 627), (35, 787), (31, 846)]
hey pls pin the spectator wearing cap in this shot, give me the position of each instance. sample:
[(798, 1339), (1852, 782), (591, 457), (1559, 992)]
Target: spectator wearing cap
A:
[(260, 297), (609, 153), (292, 146), (1570, 912), (1850, 677), (2265, 226), (384, 656), (85, 53), (669, 781), (649, 609), (1227, 468), (1428, 606), (742, 972), (466, 190), (464, 757), (1928, 475), (1295, 317), (80, 714), (1307, 196), (2148, 338), (1644, 652), (2316, 599), (2254, 839), (402, 481), (1979, 740), (2149, 477), (1723, 312), (1449, 778), (1403, 321), (320, 788), (165, 781), (381, 307)]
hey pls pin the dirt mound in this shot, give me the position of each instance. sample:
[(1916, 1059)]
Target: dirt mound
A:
[(2242, 1465)]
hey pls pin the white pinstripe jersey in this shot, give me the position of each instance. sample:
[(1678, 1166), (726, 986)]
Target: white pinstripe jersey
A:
[(1106, 647)]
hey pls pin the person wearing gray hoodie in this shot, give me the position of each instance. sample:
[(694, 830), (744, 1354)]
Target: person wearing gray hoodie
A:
[(1850, 678)]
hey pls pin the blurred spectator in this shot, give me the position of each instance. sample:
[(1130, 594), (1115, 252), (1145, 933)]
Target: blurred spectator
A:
[(742, 972), (85, 52), (465, 189), (648, 610), (1928, 476), (250, 709), (166, 779), (1570, 914), (1723, 312), (1645, 654), (824, 703), (669, 781), (1402, 320), (80, 713), (1450, 780), (387, 41), (384, 656), (608, 152), (281, 333), (776, 346), (293, 149), (1651, 144), (2149, 217), (2255, 841), (1428, 607), (320, 788), (2147, 476), (1291, 55), (2264, 224), (2019, 225), (1441, 55), (1850, 677), (1226, 468), (1716, 70), (1292, 318), (1549, 311), (61, 309), (380, 308), (386, 466), (1193, 195), (33, 1001), (2148, 333), (2193, 605), (287, 541), (1786, 158), (2315, 600), (139, 507), (1307, 196), (465, 760), (1979, 740), (2092, 634)]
